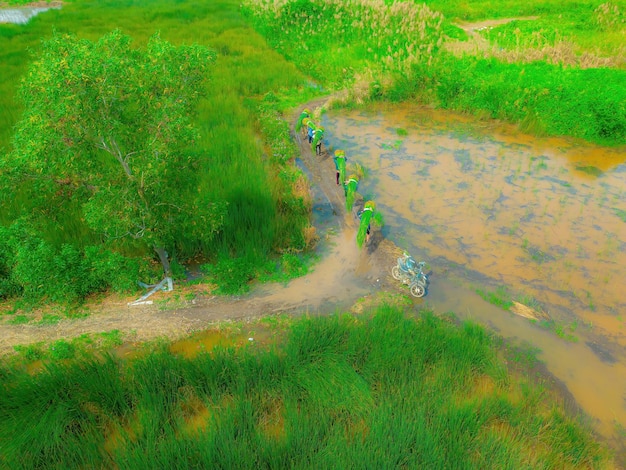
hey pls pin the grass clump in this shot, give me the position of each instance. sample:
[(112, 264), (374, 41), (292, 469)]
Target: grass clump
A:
[(337, 392), (288, 267), (81, 347), (501, 297)]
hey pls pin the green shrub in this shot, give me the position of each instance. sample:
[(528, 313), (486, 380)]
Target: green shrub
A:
[(34, 268), (232, 275), (263, 216)]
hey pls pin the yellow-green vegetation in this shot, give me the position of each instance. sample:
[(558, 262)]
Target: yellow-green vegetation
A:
[(341, 42), (591, 30), (337, 392), (559, 97), (394, 51)]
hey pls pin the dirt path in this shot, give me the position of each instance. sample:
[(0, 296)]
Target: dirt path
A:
[(472, 28), (476, 43), (343, 275)]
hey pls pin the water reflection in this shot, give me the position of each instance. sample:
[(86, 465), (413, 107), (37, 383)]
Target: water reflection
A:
[(491, 207), (22, 15)]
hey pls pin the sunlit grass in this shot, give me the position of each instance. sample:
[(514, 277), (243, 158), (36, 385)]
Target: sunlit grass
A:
[(548, 95), (338, 391)]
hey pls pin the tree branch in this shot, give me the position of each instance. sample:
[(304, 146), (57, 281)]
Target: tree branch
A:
[(113, 149)]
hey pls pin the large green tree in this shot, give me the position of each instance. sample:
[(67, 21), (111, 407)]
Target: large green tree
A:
[(114, 123)]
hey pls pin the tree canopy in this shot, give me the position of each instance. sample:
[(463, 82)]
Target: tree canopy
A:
[(110, 126)]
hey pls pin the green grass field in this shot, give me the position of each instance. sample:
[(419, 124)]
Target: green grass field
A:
[(375, 391), (380, 390), (394, 52)]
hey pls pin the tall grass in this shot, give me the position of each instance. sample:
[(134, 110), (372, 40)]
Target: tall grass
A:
[(265, 215), (544, 98), (547, 99), (381, 390), (336, 41), (577, 38)]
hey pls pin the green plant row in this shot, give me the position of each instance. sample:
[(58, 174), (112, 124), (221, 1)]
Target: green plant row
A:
[(379, 390)]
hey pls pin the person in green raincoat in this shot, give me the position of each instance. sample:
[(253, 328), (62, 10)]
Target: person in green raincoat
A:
[(340, 165), (318, 136), (310, 128), (368, 216), (350, 186)]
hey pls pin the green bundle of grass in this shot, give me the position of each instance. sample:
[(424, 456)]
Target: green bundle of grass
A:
[(318, 135), (368, 216), (305, 125), (305, 114), (351, 186)]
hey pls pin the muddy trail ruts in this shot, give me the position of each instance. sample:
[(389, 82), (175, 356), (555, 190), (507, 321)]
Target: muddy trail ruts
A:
[(343, 275)]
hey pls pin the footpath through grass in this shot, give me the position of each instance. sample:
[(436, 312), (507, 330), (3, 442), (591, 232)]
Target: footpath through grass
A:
[(375, 391)]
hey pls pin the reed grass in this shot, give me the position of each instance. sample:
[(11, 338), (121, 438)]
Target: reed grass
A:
[(381, 388), (573, 39), (549, 99), (549, 95), (337, 40)]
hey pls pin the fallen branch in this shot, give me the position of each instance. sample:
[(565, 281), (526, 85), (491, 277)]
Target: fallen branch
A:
[(155, 287)]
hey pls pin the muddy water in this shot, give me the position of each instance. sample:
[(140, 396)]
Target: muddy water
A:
[(488, 207), (22, 15), (207, 340)]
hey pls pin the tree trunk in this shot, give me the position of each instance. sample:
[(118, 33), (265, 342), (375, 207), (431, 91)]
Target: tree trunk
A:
[(166, 266)]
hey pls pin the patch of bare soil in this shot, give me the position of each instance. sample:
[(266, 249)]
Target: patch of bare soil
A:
[(559, 52), (344, 275)]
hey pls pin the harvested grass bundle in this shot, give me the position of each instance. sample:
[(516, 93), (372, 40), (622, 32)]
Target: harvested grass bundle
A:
[(351, 186), (367, 217), (306, 113)]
